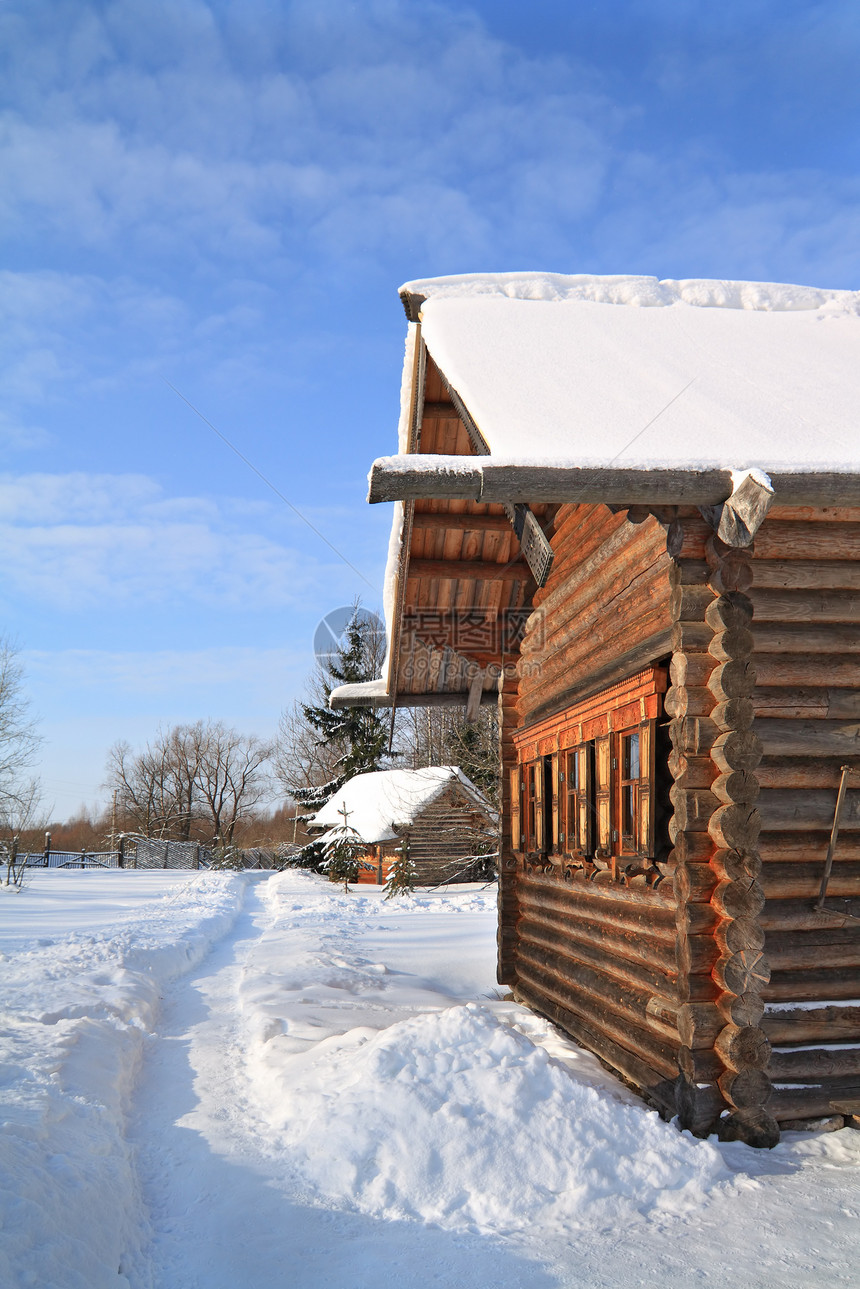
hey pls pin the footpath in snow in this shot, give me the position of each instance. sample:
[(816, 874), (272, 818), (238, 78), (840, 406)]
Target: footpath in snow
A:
[(261, 1080), (84, 957)]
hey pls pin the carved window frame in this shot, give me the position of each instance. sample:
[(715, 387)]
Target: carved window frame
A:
[(577, 813), (594, 735)]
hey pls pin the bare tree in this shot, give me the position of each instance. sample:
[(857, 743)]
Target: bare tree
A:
[(18, 738), (193, 782), (231, 777), (152, 798), (318, 748), (20, 813), (301, 758), (442, 736)]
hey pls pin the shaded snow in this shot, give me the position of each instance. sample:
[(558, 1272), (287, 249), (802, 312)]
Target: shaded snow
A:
[(429, 1148)]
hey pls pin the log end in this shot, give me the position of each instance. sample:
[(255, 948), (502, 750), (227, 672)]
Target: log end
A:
[(755, 1127)]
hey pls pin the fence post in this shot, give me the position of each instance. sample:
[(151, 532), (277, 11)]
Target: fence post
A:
[(47, 860), (121, 854)]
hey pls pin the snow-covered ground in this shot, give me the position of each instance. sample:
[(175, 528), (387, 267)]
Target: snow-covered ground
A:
[(212, 1080)]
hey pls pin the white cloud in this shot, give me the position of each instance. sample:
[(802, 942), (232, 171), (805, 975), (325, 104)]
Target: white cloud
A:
[(77, 540), (14, 434), (789, 227), (162, 134), (274, 134), (204, 160)]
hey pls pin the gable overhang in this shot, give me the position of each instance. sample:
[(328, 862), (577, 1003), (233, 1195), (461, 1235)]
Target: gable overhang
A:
[(460, 575), (414, 477)]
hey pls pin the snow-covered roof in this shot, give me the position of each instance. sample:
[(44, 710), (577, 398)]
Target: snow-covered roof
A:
[(381, 804), (583, 370), (611, 377)]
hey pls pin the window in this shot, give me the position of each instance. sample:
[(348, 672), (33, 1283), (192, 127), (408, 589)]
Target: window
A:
[(627, 762), (533, 830), (577, 800), (585, 790)]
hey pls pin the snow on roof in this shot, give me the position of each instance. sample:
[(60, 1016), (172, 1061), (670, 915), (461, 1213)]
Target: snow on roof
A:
[(368, 690), (381, 804), (635, 372)]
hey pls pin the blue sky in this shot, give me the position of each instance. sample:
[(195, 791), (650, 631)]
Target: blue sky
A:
[(224, 198)]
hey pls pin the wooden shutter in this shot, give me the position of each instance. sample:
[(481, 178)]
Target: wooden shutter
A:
[(516, 827), (587, 802), (555, 843), (646, 788), (603, 793), (540, 830)]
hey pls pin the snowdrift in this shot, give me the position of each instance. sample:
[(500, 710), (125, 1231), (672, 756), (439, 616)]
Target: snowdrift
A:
[(452, 1115)]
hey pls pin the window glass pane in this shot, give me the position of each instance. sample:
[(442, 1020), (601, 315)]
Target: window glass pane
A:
[(628, 792), (572, 840), (628, 816)]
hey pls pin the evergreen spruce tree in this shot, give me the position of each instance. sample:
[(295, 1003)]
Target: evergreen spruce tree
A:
[(342, 852), (360, 733), (401, 878)]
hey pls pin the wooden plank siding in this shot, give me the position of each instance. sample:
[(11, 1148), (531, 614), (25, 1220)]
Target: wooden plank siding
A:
[(464, 569)]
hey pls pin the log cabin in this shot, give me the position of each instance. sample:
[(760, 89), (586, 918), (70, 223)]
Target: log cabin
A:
[(628, 512), (446, 823)]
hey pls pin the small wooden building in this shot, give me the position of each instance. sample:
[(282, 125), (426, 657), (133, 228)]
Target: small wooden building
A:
[(628, 512), (447, 824)]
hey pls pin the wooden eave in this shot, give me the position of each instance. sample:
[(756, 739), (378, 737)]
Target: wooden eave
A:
[(460, 562), (412, 478)]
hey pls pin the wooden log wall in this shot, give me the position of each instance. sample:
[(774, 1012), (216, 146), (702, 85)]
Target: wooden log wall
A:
[(508, 867), (721, 993), (806, 630), (598, 957), (603, 614), (450, 830), (448, 833), (741, 970), (689, 703), (714, 830)]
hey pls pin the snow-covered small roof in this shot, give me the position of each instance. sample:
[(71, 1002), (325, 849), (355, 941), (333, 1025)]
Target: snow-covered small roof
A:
[(382, 804), (583, 370)]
